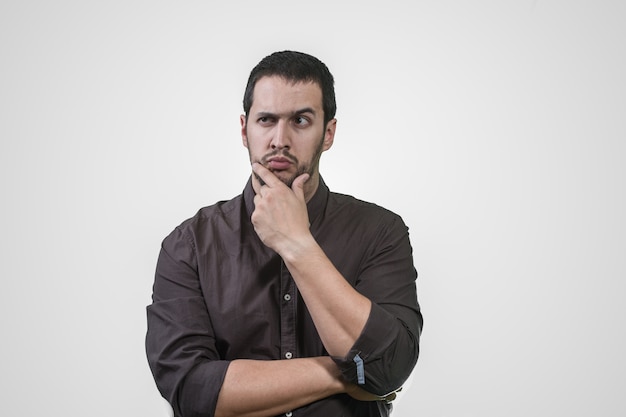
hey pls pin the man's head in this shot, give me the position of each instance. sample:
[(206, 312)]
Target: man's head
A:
[(289, 119), (294, 67)]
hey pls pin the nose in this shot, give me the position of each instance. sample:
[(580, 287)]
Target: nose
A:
[(281, 137)]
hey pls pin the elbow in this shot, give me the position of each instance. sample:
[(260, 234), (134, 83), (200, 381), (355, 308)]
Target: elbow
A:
[(192, 393), (390, 379), (389, 372)]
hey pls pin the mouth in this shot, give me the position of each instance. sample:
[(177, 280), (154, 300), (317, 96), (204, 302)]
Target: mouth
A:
[(278, 163)]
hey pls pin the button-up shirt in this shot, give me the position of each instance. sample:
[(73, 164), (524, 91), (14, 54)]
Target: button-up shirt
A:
[(220, 294)]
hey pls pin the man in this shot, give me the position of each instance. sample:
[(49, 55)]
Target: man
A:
[(288, 299)]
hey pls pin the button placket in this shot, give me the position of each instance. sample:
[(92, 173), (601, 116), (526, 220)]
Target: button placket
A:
[(288, 311)]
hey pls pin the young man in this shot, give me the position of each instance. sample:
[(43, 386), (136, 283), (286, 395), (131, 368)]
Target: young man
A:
[(288, 299)]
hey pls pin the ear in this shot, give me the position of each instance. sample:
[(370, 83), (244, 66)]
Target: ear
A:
[(329, 134), (244, 135)]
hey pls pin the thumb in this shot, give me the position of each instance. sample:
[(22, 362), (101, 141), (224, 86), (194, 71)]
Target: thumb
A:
[(298, 185)]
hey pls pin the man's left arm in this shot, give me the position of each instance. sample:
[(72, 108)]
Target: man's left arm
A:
[(375, 340), (375, 346)]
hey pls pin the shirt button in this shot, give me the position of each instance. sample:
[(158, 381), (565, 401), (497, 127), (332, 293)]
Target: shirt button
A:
[(287, 297), (288, 355), (288, 414)]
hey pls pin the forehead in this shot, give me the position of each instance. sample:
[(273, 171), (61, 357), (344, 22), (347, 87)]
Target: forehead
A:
[(275, 93)]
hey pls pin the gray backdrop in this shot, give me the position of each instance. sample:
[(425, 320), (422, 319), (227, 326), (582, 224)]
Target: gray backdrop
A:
[(495, 128)]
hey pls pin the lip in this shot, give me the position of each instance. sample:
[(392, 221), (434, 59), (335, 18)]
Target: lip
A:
[(279, 163)]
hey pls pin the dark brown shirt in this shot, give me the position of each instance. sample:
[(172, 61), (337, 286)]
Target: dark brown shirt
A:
[(220, 294)]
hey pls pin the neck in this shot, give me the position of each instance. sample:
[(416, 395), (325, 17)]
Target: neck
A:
[(310, 187)]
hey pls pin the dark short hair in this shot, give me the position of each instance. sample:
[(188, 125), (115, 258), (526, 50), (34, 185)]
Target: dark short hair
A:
[(296, 67)]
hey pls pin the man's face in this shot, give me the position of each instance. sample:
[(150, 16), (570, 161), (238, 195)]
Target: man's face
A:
[(284, 130)]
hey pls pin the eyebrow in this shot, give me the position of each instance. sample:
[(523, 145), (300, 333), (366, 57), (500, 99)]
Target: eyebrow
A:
[(292, 114)]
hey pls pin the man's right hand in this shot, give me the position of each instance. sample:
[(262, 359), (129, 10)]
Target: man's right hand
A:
[(360, 394)]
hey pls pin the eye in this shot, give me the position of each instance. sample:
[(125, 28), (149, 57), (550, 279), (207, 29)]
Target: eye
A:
[(301, 121), (265, 120)]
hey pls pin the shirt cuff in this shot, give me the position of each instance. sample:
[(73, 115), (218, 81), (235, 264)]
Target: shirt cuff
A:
[(360, 366), (201, 389)]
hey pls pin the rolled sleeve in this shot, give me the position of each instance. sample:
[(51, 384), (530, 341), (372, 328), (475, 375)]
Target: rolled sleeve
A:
[(388, 354), (388, 346), (180, 344)]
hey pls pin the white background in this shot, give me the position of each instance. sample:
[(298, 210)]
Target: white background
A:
[(495, 128)]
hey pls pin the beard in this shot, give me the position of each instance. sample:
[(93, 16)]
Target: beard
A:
[(309, 167)]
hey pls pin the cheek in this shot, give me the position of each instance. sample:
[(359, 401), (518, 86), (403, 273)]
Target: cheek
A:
[(254, 140), (257, 145)]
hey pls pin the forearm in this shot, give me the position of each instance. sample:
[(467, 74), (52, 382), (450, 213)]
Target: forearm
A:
[(337, 309), (389, 349), (387, 339), (255, 388)]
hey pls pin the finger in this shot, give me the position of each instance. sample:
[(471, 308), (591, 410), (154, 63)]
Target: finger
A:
[(256, 183), (298, 185), (389, 398), (265, 175)]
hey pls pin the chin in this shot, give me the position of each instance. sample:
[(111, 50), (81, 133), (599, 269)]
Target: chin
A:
[(286, 178)]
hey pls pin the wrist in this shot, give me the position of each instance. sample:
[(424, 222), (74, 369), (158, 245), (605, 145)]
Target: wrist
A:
[(297, 250), (337, 384)]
